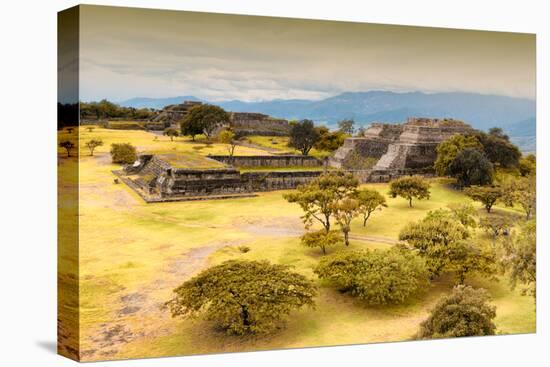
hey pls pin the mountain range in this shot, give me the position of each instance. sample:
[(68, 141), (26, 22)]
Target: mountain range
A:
[(515, 115)]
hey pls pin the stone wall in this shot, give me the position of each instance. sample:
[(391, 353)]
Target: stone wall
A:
[(269, 161), (246, 123)]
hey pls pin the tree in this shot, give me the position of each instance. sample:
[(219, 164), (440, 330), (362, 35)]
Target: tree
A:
[(124, 153), (171, 132), (204, 118), (303, 136), (321, 239), (243, 297), (68, 145), (497, 132), (410, 187), (471, 167), (465, 312), (90, 128), (499, 151), (369, 201), (229, 137), (344, 212), (449, 149), (92, 144), (520, 257), (487, 195), (496, 225), (523, 191), (329, 141), (436, 238), (466, 214), (346, 126), (528, 165), (317, 198), (375, 276)]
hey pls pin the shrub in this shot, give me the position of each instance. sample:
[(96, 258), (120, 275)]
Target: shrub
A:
[(244, 249), (375, 276), (124, 153), (465, 312), (243, 297)]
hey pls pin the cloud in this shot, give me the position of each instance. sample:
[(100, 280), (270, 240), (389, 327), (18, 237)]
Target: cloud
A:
[(135, 52)]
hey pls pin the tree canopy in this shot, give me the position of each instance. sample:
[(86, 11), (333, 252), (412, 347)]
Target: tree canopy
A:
[(375, 276), (171, 133), (321, 239), (303, 136), (410, 187), (471, 167), (124, 153), (203, 119), (465, 312), (369, 201), (93, 144), (498, 150), (243, 297), (67, 145), (329, 141), (487, 195), (449, 149), (318, 197), (346, 126)]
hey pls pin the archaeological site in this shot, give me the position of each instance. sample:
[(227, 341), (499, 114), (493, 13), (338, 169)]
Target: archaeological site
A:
[(397, 150)]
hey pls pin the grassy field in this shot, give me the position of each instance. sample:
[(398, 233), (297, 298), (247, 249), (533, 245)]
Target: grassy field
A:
[(280, 143), (133, 254)]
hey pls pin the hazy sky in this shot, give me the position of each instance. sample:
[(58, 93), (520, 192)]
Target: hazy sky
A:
[(156, 53)]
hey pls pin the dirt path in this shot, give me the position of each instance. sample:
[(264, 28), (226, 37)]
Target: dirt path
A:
[(140, 311)]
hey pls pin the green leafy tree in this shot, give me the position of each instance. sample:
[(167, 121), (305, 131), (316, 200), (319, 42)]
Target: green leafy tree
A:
[(93, 144), (465, 213), (496, 225), (90, 128), (124, 153), (522, 191), (317, 198), (528, 165), (375, 276), (499, 151), (203, 119), (243, 297), (230, 138), (303, 136), (321, 239), (465, 312), (487, 195), (171, 132), (329, 141), (471, 167), (67, 145), (369, 202), (449, 149), (344, 212), (410, 187), (520, 258), (497, 132), (346, 126)]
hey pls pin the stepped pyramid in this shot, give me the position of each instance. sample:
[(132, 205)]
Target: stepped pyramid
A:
[(398, 147)]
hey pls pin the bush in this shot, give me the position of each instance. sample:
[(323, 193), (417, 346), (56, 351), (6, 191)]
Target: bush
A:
[(465, 312), (124, 153), (375, 276), (243, 297), (244, 249)]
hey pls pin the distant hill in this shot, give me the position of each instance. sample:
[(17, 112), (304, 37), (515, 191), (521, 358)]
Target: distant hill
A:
[(523, 134), (515, 115), (157, 103)]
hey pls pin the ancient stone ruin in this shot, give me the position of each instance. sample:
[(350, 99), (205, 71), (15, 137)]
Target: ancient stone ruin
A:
[(246, 123), (409, 148), (172, 114), (156, 179)]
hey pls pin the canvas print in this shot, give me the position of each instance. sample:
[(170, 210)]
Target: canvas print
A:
[(234, 183)]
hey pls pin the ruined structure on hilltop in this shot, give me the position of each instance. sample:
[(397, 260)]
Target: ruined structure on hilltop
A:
[(246, 123), (158, 178), (172, 114), (243, 123), (399, 149)]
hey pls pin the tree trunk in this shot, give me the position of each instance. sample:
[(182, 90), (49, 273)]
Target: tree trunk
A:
[(245, 316), (365, 220), (346, 238), (410, 202)]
